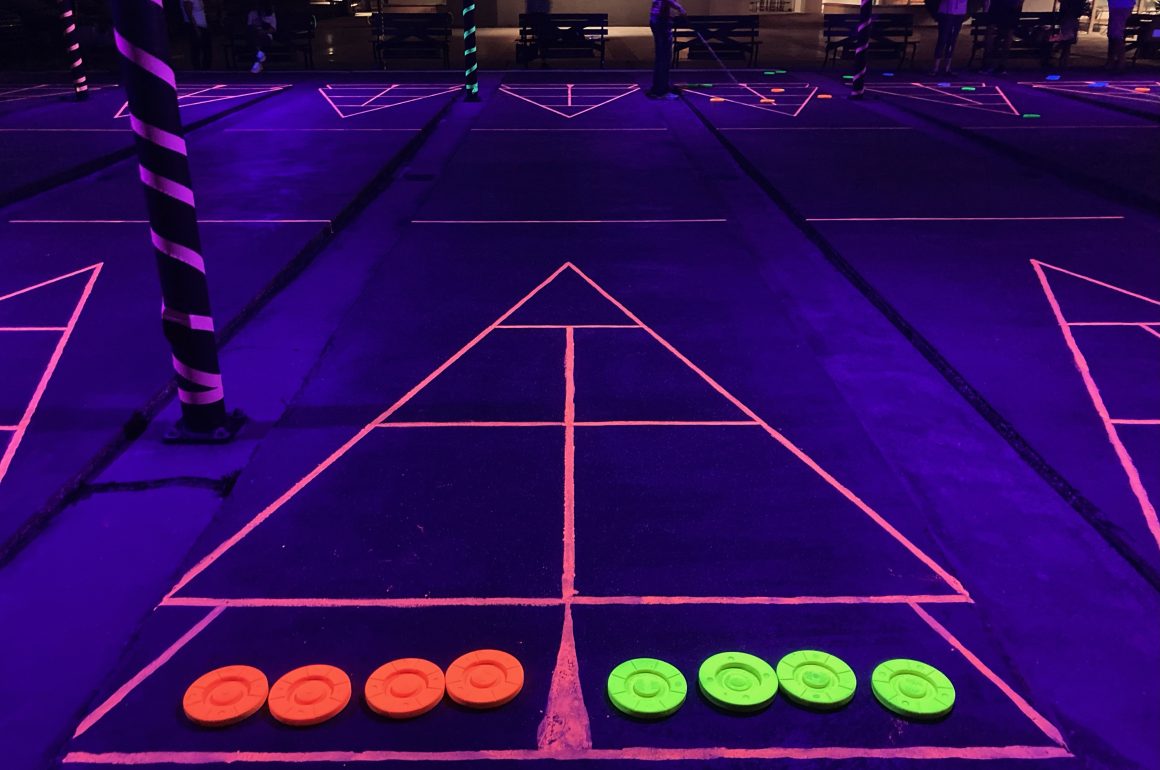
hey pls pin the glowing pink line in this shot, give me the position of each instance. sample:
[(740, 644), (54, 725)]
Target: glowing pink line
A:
[(1150, 330), (1144, 324), (1014, 111), (1099, 283), (533, 130), (1089, 382), (401, 602), (809, 96), (968, 100), (346, 447), (1046, 727), (32, 328), (785, 442), (775, 108), (565, 726), (145, 673), (146, 221), (22, 427), (376, 96), (631, 89), (638, 754), (577, 423), (564, 221), (963, 219), (326, 96), (552, 601), (1125, 421), (8, 427), (567, 326)]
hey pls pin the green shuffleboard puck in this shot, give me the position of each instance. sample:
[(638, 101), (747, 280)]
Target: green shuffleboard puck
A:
[(816, 680), (913, 689), (647, 688), (737, 681)]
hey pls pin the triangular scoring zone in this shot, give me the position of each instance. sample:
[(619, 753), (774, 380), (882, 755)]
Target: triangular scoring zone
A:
[(1121, 89), (982, 96), (1042, 270), (631, 320), (196, 95), (783, 101), (14, 434), (570, 100), (354, 99)]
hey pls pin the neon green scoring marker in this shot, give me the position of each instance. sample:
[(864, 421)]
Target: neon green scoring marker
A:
[(816, 680), (913, 689), (647, 687), (737, 681)]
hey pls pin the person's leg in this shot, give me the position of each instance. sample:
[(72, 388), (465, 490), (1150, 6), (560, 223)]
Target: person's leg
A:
[(954, 27), (1117, 27), (943, 41), (662, 56)]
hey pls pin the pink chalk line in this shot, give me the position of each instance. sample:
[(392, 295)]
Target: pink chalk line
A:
[(640, 754), (965, 219), (1134, 480), (420, 602), (627, 89), (146, 672), (21, 427), (578, 424), (33, 328), (565, 726), (1045, 727)]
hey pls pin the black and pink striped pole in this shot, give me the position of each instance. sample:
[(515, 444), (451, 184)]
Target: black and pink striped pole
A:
[(862, 47), (76, 61), (142, 39)]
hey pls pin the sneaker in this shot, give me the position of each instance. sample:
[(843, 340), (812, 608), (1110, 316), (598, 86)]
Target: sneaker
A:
[(256, 69), (261, 56)]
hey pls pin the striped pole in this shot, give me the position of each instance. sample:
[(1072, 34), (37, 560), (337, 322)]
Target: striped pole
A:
[(141, 37), (861, 57), (68, 19), (470, 52)]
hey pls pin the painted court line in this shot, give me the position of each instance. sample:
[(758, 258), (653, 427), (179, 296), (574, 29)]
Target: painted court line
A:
[(260, 130), (33, 328), (564, 130), (570, 326), (146, 221), (1126, 462), (631, 754), (1135, 422), (576, 424), (966, 219), (819, 128), (1046, 727), (564, 221), (146, 672), (1144, 324), (21, 427), (785, 442), (421, 602)]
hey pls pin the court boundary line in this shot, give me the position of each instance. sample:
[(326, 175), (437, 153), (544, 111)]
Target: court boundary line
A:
[(21, 427), (629, 89), (794, 114), (1135, 482), (263, 91), (586, 600), (447, 90)]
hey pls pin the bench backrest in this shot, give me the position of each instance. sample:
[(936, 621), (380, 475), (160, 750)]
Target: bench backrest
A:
[(881, 24), (582, 23), (420, 26)]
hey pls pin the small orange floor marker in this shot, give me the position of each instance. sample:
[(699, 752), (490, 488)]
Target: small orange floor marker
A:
[(484, 679), (767, 101), (825, 96), (225, 696), (1142, 89), (716, 99), (405, 688), (309, 695), (777, 90)]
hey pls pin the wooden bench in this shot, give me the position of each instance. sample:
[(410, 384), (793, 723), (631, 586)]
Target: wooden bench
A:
[(561, 35), (891, 35), (294, 37), (1143, 36), (1032, 37), (411, 36), (730, 37)]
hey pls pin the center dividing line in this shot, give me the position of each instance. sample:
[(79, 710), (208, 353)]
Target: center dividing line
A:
[(33, 328), (568, 581), (576, 424), (564, 221), (423, 602), (258, 130), (527, 130)]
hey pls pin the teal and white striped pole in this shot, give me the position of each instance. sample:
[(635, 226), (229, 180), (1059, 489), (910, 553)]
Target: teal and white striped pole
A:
[(470, 52)]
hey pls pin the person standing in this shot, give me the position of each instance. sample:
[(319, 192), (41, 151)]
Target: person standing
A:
[(262, 23), (1002, 18), (950, 16), (1118, 12), (197, 27), (660, 21)]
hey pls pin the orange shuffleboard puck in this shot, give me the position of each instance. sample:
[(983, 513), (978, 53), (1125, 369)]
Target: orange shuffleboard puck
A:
[(484, 679), (309, 695), (405, 688), (225, 696)]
